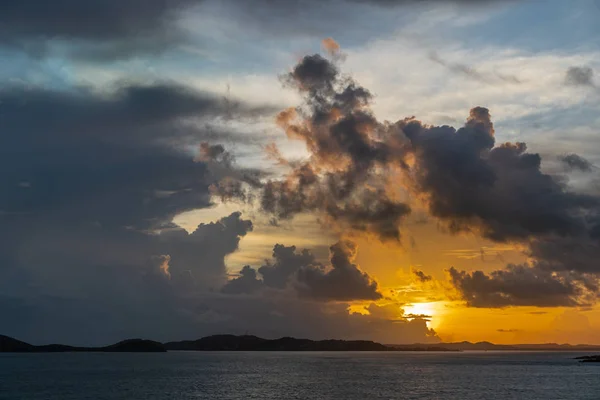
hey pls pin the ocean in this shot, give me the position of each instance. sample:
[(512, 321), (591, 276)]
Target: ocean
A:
[(287, 375)]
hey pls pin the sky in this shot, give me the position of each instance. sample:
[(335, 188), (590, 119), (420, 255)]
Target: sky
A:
[(401, 171)]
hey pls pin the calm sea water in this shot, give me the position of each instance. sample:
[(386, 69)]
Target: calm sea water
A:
[(343, 376)]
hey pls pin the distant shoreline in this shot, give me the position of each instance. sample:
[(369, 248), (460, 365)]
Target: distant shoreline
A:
[(253, 343)]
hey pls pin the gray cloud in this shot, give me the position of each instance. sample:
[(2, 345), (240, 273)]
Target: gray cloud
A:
[(336, 126), (485, 77), (580, 76), (245, 283), (286, 264), (92, 284), (114, 159), (90, 185), (470, 182), (109, 29), (517, 285), (99, 28), (576, 162), (566, 254), (299, 270), (344, 281), (500, 191)]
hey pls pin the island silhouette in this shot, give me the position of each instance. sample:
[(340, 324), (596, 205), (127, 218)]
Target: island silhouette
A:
[(254, 343)]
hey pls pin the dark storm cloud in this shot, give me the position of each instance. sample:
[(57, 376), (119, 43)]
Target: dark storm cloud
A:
[(110, 159), (341, 281), (112, 29), (88, 253), (95, 284), (92, 19), (517, 285), (563, 272), (578, 254), (285, 265), (500, 190), (344, 281), (576, 162), (144, 111), (90, 184), (245, 283), (103, 28)]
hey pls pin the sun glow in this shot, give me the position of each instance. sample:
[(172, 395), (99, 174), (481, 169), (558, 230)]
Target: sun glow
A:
[(419, 309), (428, 311)]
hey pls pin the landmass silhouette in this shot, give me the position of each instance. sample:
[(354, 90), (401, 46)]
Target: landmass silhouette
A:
[(11, 345), (254, 343)]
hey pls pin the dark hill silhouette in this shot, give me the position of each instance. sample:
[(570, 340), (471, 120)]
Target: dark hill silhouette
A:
[(589, 359), (253, 343), (215, 343), (10, 345)]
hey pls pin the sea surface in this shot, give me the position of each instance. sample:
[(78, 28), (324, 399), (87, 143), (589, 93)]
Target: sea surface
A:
[(286, 375)]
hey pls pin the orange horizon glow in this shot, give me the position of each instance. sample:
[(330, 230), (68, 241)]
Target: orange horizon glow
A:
[(435, 251)]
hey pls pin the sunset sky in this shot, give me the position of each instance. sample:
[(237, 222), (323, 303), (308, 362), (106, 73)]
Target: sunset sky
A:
[(394, 170)]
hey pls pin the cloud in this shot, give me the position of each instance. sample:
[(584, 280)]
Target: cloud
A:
[(333, 49), (580, 76), (106, 173), (344, 281), (103, 28), (575, 254), (467, 181), (286, 264), (509, 330), (421, 276), (90, 284), (499, 191), (470, 72), (111, 29), (337, 127), (277, 315), (111, 159), (517, 285), (299, 270), (576, 162), (331, 46), (360, 173), (160, 265), (245, 283)]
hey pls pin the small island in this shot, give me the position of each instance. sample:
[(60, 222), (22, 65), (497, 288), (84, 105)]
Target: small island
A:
[(254, 343), (589, 359), (10, 345)]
